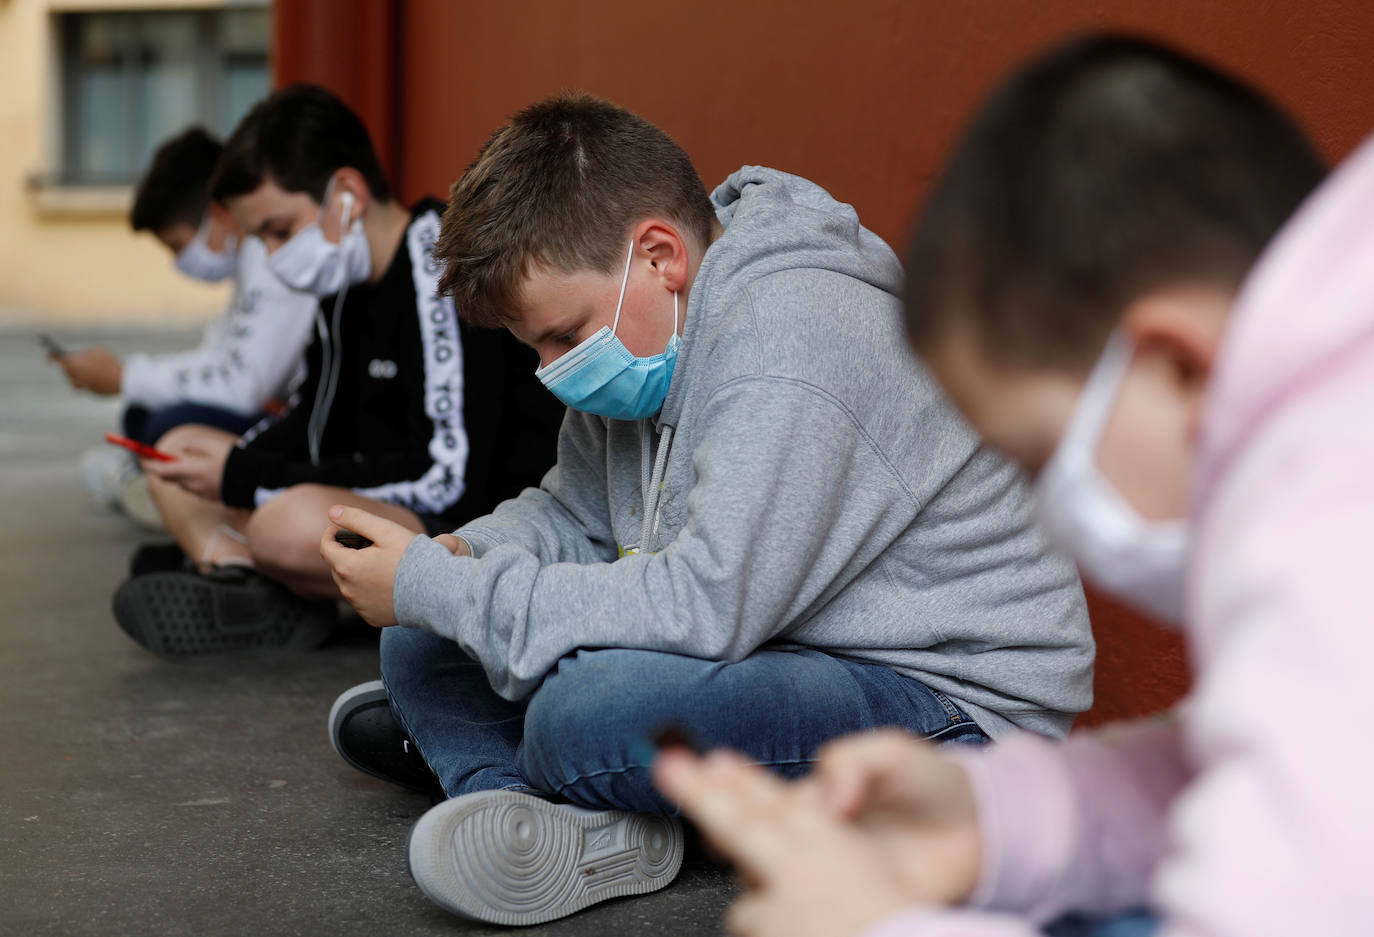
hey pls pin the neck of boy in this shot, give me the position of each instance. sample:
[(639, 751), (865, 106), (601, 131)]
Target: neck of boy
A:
[(694, 265), (385, 224)]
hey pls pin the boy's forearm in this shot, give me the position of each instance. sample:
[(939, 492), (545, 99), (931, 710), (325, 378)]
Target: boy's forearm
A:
[(539, 523)]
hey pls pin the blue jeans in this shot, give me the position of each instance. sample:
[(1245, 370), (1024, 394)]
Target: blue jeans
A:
[(584, 735), (1132, 924), (148, 426)]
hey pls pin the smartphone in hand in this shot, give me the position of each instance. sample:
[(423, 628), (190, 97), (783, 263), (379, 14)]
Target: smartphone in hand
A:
[(49, 343), (351, 540), (138, 448)]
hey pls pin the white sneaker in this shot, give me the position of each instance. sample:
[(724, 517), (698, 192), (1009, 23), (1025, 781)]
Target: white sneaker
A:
[(138, 503), (507, 857), (105, 470)]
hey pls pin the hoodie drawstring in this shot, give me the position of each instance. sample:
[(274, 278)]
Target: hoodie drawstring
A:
[(652, 482)]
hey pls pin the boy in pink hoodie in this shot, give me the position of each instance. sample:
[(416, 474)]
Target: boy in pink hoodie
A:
[(1081, 281)]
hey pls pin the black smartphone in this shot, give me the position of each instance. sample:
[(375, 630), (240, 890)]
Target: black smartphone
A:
[(351, 540), (48, 342)]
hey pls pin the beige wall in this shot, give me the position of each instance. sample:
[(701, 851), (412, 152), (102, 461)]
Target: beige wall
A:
[(69, 256)]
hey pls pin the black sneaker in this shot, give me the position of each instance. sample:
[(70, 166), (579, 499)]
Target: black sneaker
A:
[(367, 736), (230, 608), (157, 558)]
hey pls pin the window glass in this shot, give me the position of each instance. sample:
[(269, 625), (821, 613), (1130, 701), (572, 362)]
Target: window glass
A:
[(133, 79)]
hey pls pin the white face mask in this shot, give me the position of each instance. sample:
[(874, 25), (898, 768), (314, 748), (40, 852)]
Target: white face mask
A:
[(201, 262), (313, 264), (1140, 560)]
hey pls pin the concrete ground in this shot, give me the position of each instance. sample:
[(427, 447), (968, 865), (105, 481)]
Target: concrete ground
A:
[(142, 797)]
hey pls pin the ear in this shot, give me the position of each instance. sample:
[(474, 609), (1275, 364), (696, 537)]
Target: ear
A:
[(347, 179), (1184, 323), (218, 213), (666, 249), (1181, 328), (222, 223)]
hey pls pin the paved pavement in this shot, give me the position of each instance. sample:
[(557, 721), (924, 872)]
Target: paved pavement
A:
[(142, 797)]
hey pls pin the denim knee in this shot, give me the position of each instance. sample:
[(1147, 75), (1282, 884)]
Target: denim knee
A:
[(406, 653), (587, 732)]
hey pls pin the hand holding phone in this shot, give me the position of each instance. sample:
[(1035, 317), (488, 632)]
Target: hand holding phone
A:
[(48, 342), (139, 449), (351, 540)]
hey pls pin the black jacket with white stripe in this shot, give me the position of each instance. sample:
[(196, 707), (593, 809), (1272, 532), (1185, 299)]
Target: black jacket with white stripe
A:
[(404, 403)]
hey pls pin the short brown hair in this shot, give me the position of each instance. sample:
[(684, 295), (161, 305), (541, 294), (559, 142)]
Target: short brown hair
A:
[(559, 186), (1107, 168)]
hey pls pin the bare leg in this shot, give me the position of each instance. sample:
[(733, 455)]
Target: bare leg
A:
[(195, 523), (284, 535)]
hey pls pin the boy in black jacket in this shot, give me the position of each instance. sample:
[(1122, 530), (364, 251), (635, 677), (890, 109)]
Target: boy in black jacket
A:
[(404, 411)]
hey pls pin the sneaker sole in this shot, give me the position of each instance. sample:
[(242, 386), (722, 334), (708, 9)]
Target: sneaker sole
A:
[(184, 615), (506, 857)]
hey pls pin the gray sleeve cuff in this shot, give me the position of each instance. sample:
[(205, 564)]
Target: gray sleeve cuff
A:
[(424, 593), (480, 540)]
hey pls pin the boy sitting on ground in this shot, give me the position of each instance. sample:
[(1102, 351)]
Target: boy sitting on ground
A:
[(250, 356), (765, 526), (404, 411)]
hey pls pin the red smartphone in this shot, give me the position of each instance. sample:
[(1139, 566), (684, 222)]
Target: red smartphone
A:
[(138, 448)]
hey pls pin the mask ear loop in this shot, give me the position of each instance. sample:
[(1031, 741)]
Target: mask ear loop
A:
[(624, 282), (343, 215), (1100, 393)]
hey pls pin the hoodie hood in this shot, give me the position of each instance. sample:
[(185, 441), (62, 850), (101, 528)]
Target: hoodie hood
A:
[(1308, 304), (775, 222)]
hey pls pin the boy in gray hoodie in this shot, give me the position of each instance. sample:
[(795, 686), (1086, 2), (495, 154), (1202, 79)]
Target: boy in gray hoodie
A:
[(765, 526)]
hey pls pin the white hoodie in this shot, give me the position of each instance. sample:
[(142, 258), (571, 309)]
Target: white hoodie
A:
[(249, 354)]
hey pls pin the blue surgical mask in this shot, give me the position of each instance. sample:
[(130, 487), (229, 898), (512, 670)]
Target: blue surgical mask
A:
[(601, 376)]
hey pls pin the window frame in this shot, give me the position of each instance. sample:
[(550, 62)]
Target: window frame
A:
[(61, 188)]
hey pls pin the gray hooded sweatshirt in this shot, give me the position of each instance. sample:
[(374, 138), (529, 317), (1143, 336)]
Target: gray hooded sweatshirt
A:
[(805, 484)]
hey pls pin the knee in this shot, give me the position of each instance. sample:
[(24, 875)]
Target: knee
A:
[(407, 651), (284, 534), (160, 423), (601, 699), (588, 731), (179, 437)]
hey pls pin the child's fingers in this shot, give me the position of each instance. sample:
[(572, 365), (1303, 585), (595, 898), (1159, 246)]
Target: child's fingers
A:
[(331, 550), (453, 544), (377, 529), (739, 807), (847, 770), (167, 471), (746, 916)]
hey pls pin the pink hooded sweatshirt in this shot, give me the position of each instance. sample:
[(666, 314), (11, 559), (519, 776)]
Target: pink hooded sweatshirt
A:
[(1252, 813)]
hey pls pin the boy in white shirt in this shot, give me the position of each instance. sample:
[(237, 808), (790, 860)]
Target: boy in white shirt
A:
[(250, 355)]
